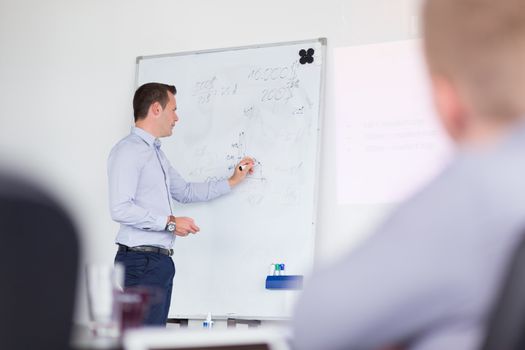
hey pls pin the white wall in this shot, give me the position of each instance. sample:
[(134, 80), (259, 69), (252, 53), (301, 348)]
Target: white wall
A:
[(67, 72)]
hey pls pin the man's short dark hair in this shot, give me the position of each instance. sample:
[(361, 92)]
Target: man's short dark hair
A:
[(148, 94)]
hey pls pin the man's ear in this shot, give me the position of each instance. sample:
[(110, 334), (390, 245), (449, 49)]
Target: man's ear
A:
[(155, 109), (450, 107)]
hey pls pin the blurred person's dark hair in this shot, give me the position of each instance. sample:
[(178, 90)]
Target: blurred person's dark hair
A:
[(38, 267)]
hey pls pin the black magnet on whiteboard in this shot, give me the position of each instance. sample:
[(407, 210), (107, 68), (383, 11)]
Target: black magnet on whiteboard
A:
[(307, 56)]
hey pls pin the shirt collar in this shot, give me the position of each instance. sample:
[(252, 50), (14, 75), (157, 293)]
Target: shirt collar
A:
[(146, 136)]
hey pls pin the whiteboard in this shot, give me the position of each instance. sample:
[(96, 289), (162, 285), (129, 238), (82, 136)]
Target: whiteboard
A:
[(262, 101)]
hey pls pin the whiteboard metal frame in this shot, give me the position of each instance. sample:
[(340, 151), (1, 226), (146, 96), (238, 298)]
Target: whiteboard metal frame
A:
[(320, 119), (233, 48)]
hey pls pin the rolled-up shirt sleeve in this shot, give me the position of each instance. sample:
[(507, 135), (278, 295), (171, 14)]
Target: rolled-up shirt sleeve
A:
[(123, 173), (186, 192)]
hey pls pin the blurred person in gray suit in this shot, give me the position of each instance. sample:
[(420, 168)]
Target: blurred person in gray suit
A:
[(427, 278), (38, 267)]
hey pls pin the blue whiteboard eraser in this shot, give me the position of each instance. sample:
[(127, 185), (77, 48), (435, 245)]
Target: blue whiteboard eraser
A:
[(287, 282)]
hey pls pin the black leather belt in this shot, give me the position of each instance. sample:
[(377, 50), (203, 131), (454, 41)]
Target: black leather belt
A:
[(145, 249)]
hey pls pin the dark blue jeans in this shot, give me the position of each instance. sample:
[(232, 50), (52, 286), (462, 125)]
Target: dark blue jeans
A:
[(150, 270)]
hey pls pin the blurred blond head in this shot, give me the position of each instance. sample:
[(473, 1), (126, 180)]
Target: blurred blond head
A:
[(475, 51)]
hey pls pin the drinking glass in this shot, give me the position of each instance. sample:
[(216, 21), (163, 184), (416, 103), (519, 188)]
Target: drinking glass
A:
[(104, 283)]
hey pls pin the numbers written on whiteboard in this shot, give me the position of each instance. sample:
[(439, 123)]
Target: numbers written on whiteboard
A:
[(205, 90), (283, 93), (277, 94), (286, 75)]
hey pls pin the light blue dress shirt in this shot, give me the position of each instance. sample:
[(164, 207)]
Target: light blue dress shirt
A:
[(142, 183)]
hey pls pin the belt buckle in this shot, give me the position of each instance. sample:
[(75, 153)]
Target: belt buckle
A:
[(170, 252)]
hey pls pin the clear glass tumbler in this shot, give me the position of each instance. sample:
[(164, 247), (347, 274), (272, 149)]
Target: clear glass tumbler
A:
[(104, 282)]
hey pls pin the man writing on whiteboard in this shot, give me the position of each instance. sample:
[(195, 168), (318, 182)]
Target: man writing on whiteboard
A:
[(428, 277), (142, 184)]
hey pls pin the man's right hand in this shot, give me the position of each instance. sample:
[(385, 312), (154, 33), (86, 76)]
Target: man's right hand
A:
[(184, 226)]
